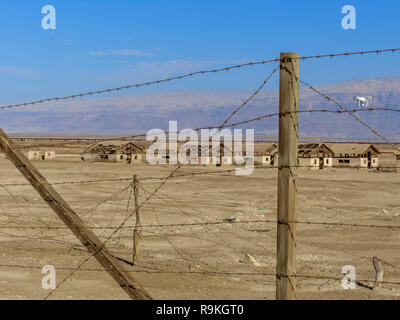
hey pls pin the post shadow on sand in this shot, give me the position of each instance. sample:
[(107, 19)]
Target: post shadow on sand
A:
[(364, 285)]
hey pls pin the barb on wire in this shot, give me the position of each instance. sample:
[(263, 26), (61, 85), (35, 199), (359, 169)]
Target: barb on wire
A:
[(70, 182), (138, 85), (187, 75), (205, 272), (345, 109), (161, 271), (333, 55), (269, 115), (295, 122), (224, 124), (248, 99), (332, 277), (155, 191), (188, 175), (308, 111), (210, 223)]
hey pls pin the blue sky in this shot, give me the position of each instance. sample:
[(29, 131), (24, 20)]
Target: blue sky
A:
[(101, 44)]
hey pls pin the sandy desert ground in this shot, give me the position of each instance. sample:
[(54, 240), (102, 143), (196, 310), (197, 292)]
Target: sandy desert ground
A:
[(191, 262)]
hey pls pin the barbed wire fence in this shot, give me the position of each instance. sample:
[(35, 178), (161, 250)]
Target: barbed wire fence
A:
[(205, 221)]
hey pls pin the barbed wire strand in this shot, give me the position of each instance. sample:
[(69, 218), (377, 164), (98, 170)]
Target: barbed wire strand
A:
[(375, 132), (155, 191), (226, 121), (216, 273), (259, 118), (175, 225), (187, 75)]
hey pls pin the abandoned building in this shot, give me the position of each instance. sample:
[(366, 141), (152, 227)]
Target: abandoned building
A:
[(338, 155), (266, 154), (34, 155), (115, 151), (222, 154), (219, 154), (49, 155), (41, 155), (354, 155), (315, 156), (310, 155), (387, 155)]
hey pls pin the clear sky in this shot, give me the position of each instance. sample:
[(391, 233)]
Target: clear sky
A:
[(100, 44)]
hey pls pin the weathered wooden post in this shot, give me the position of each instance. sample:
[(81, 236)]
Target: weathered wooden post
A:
[(379, 271), (287, 179), (72, 220), (137, 233)]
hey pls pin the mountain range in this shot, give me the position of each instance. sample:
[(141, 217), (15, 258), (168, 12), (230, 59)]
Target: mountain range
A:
[(138, 113)]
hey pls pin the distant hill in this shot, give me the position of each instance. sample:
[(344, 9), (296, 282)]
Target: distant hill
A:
[(137, 113)]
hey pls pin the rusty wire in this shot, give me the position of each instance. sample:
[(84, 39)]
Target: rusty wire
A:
[(187, 75)]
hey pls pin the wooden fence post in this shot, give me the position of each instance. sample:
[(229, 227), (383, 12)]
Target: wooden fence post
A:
[(287, 179), (137, 233), (72, 220)]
